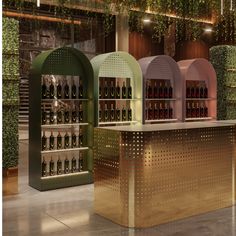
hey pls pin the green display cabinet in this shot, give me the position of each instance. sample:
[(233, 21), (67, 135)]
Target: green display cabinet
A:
[(223, 58), (118, 89), (61, 119)]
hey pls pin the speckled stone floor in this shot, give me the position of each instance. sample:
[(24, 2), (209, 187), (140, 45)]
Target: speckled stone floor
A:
[(70, 212)]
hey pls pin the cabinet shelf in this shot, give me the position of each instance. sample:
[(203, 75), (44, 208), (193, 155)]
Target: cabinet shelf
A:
[(118, 122), (64, 150), (65, 175), (161, 120), (59, 126), (160, 99), (199, 99), (118, 99), (63, 99), (198, 118)]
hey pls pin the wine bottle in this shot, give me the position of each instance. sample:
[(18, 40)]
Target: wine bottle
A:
[(202, 110), (150, 112), (129, 114), (197, 90), (59, 90), (156, 113), (123, 114), (188, 90), (81, 90), (117, 114), (166, 115), (81, 162), (80, 138), (105, 90), (205, 91), (112, 91), (112, 113), (155, 90), (44, 116), (66, 91), (205, 111), (193, 94), (117, 91), (166, 94), (129, 92), (80, 113), (123, 91), (44, 168), (161, 90), (59, 166), (51, 90), (188, 110), (74, 115), (66, 140), (66, 116), (66, 166), (73, 140), (59, 116), (197, 110), (73, 165), (73, 90), (51, 167), (106, 113), (100, 92), (193, 110), (170, 112), (149, 90), (51, 141), (59, 141), (51, 116), (44, 141), (170, 91), (44, 90), (201, 91), (161, 111), (100, 113)]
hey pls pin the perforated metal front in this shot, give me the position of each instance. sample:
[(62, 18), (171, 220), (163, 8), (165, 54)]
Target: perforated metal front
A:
[(148, 178)]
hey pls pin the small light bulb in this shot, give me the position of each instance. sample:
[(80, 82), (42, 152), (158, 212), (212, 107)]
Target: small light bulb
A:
[(146, 20), (208, 30), (38, 3)]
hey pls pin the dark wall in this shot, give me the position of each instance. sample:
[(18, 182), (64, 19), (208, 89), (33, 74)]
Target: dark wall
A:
[(191, 49), (142, 45)]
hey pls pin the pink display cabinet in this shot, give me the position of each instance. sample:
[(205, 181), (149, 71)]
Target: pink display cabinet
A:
[(162, 90), (199, 89)]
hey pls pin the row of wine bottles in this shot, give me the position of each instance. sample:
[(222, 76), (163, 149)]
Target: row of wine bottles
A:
[(158, 89), (60, 92), (196, 89), (159, 112), (194, 110), (57, 168), (115, 92), (110, 114), (51, 143), (62, 116)]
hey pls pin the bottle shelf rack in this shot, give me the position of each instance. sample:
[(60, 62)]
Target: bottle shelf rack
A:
[(59, 126), (65, 175), (118, 123), (198, 118), (161, 99), (118, 99), (161, 120), (64, 99), (64, 150)]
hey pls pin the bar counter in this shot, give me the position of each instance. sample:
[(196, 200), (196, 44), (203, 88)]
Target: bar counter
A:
[(151, 174)]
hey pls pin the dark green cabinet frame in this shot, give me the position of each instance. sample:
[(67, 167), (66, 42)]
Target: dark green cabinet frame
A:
[(64, 61)]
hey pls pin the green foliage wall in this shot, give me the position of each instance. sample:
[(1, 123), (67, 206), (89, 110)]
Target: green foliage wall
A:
[(223, 59), (10, 91)]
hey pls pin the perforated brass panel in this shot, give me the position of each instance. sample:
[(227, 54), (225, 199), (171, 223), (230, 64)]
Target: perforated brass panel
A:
[(148, 178)]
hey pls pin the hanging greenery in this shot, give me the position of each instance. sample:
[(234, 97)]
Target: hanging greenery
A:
[(184, 13)]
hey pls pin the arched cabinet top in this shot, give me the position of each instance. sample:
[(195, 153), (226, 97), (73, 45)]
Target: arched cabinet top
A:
[(62, 61), (159, 67), (116, 64), (197, 69)]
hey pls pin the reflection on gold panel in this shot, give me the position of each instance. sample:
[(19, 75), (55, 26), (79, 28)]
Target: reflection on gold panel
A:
[(148, 178)]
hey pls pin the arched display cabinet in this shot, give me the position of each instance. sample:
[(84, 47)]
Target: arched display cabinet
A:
[(118, 89), (199, 89), (162, 93), (60, 119)]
